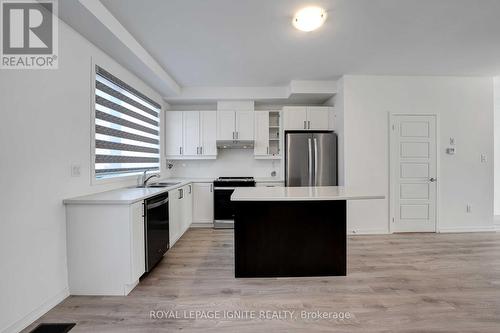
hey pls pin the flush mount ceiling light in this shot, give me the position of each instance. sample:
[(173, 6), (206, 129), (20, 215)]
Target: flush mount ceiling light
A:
[(309, 18)]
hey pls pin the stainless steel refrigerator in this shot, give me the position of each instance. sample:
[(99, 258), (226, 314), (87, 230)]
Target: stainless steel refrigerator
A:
[(310, 158)]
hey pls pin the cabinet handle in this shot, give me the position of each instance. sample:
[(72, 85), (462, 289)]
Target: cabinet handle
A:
[(237, 135), (305, 124), (211, 187), (201, 150), (190, 189), (180, 150), (267, 150), (181, 195), (309, 124)]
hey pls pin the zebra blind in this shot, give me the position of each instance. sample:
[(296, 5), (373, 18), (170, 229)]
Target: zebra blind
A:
[(127, 129)]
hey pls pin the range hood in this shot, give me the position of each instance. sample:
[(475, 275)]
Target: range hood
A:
[(235, 144)]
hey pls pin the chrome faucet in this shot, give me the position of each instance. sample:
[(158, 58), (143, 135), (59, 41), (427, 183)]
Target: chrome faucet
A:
[(145, 180)]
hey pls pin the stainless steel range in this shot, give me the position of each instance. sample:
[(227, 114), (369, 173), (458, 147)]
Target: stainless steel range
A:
[(223, 210)]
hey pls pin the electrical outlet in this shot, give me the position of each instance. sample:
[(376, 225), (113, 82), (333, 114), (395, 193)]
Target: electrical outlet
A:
[(484, 158), (469, 208), (76, 170), (452, 141)]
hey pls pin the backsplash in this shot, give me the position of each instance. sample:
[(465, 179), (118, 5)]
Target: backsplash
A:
[(229, 162)]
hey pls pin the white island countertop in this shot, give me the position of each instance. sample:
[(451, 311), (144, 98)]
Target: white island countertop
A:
[(315, 193)]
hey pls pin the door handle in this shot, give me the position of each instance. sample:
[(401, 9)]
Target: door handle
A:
[(315, 161), (432, 180), (309, 159)]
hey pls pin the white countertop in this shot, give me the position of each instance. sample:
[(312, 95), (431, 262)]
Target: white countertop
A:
[(317, 193), (129, 195)]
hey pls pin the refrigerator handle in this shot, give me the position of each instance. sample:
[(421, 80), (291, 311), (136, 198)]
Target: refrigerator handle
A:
[(315, 160), (310, 161)]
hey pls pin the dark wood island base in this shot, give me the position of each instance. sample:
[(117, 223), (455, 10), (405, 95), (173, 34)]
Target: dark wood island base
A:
[(290, 238)]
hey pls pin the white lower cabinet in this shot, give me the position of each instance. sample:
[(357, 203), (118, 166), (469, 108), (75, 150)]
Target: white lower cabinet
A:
[(105, 248), (203, 204), (180, 207), (138, 242)]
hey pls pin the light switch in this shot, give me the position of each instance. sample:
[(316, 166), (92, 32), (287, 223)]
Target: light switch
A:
[(76, 170), (484, 158)]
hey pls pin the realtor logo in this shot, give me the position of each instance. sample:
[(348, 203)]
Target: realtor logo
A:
[(29, 34)]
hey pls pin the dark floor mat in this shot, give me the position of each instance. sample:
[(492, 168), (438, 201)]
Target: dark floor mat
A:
[(53, 328)]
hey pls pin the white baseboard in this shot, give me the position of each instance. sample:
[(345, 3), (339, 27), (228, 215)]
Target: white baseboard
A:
[(202, 225), (485, 228), (354, 232), (36, 313), (496, 222)]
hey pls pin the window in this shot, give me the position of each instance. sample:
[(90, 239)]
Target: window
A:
[(127, 129)]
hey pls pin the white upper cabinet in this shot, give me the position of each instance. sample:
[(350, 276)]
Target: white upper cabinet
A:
[(318, 117), (190, 134), (244, 125), (235, 125), (191, 129), (173, 133), (261, 133), (208, 121), (295, 117), (307, 118), (226, 121)]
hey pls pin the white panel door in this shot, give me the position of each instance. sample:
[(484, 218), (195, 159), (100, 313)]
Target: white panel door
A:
[(173, 133), (208, 121), (413, 173), (203, 203), (318, 117), (226, 123), (261, 133), (245, 125), (191, 131), (295, 118)]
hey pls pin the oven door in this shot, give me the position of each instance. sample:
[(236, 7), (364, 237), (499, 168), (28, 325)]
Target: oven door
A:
[(223, 209)]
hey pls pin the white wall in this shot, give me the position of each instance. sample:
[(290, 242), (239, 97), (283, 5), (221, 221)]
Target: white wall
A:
[(45, 127), (497, 148), (229, 162), (465, 110), (338, 126)]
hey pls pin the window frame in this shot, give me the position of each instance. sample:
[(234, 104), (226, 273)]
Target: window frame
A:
[(123, 178)]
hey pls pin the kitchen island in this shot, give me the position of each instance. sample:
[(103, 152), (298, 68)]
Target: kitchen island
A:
[(292, 231)]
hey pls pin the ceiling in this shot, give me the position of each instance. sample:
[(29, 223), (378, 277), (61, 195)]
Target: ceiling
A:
[(252, 43)]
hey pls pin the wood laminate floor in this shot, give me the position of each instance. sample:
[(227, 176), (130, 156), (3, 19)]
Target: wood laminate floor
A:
[(398, 283)]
